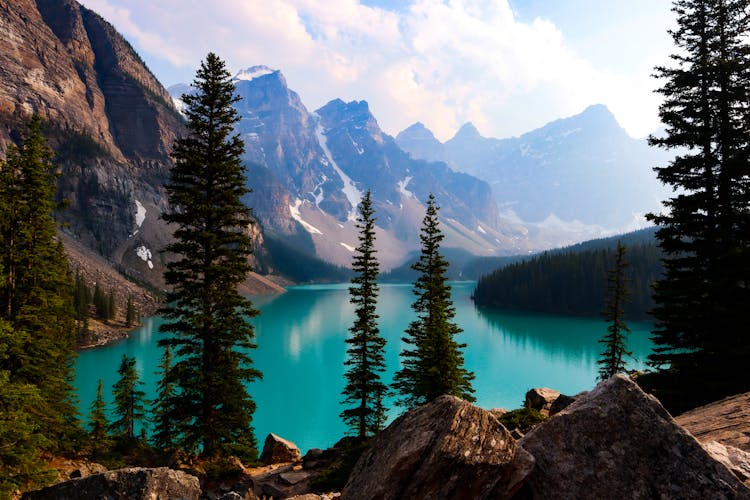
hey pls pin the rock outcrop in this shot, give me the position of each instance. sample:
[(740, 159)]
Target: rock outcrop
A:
[(734, 459), (445, 449), (618, 442), (125, 484), (726, 421), (277, 450), (547, 401), (541, 399)]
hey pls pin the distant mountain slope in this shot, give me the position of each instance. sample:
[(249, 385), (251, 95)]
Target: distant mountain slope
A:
[(308, 171), (584, 168)]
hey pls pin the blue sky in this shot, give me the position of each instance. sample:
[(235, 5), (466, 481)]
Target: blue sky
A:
[(508, 66)]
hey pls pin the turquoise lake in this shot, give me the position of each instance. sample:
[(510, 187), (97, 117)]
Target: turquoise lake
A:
[(301, 352)]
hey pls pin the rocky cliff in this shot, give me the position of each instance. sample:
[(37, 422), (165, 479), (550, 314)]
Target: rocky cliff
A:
[(109, 120)]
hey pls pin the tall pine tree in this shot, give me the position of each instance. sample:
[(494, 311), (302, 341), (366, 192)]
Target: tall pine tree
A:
[(21, 442), (365, 361), (206, 319), (98, 425), (37, 289), (612, 359), (163, 406), (130, 401), (701, 333), (433, 364)]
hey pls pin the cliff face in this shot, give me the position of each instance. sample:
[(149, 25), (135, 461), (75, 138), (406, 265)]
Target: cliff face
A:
[(107, 117)]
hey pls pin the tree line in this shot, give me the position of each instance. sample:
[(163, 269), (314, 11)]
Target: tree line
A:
[(571, 282)]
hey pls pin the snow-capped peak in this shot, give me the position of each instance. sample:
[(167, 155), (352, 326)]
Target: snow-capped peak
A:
[(253, 72)]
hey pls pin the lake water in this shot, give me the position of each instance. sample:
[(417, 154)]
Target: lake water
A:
[(301, 352)]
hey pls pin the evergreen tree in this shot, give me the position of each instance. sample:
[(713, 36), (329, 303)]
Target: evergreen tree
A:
[(206, 319), (37, 291), (433, 365), (111, 306), (130, 404), (701, 340), (100, 302), (130, 313), (163, 407), (21, 443), (615, 347), (82, 304), (98, 425), (365, 361)]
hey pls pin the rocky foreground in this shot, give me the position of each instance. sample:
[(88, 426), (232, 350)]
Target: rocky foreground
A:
[(613, 442)]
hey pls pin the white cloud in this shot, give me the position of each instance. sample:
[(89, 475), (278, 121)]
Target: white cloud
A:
[(439, 62)]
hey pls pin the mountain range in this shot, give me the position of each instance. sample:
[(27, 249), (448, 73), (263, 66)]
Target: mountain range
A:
[(112, 125), (308, 171), (582, 175)]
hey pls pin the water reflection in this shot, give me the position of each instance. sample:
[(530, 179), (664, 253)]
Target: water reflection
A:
[(301, 352)]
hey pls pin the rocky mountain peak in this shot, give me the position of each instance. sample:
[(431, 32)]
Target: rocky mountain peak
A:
[(254, 72), (595, 121), (420, 143), (467, 132), (354, 116)]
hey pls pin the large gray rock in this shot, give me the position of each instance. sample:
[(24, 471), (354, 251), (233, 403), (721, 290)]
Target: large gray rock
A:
[(277, 450), (541, 398), (125, 484), (445, 449), (736, 460), (618, 442)]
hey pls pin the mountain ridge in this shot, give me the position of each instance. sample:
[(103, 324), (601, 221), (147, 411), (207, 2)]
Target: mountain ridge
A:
[(582, 175)]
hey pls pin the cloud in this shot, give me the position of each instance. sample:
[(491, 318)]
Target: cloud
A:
[(439, 62)]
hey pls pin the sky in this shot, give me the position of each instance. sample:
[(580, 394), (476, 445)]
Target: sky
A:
[(507, 66)]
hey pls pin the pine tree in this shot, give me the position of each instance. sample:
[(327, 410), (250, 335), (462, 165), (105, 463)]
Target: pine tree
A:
[(130, 313), (21, 443), (100, 302), (98, 425), (700, 336), (37, 289), (82, 304), (612, 359), (207, 319), (111, 306), (433, 365), (163, 406), (365, 360), (130, 403)]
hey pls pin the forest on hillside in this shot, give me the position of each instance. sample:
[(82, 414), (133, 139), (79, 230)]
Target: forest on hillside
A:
[(572, 282)]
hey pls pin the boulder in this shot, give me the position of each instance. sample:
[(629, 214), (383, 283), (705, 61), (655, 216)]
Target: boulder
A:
[(618, 442), (277, 450), (736, 460), (726, 421), (124, 484), (541, 399), (561, 403), (445, 449)]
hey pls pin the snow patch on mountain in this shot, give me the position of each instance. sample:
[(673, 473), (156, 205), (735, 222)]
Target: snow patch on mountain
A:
[(145, 255), (318, 191), (351, 192), (348, 247), (140, 213), (294, 209), (480, 229), (402, 187), (180, 105), (252, 73)]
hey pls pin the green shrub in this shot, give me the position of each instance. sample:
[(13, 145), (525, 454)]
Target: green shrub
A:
[(522, 419)]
